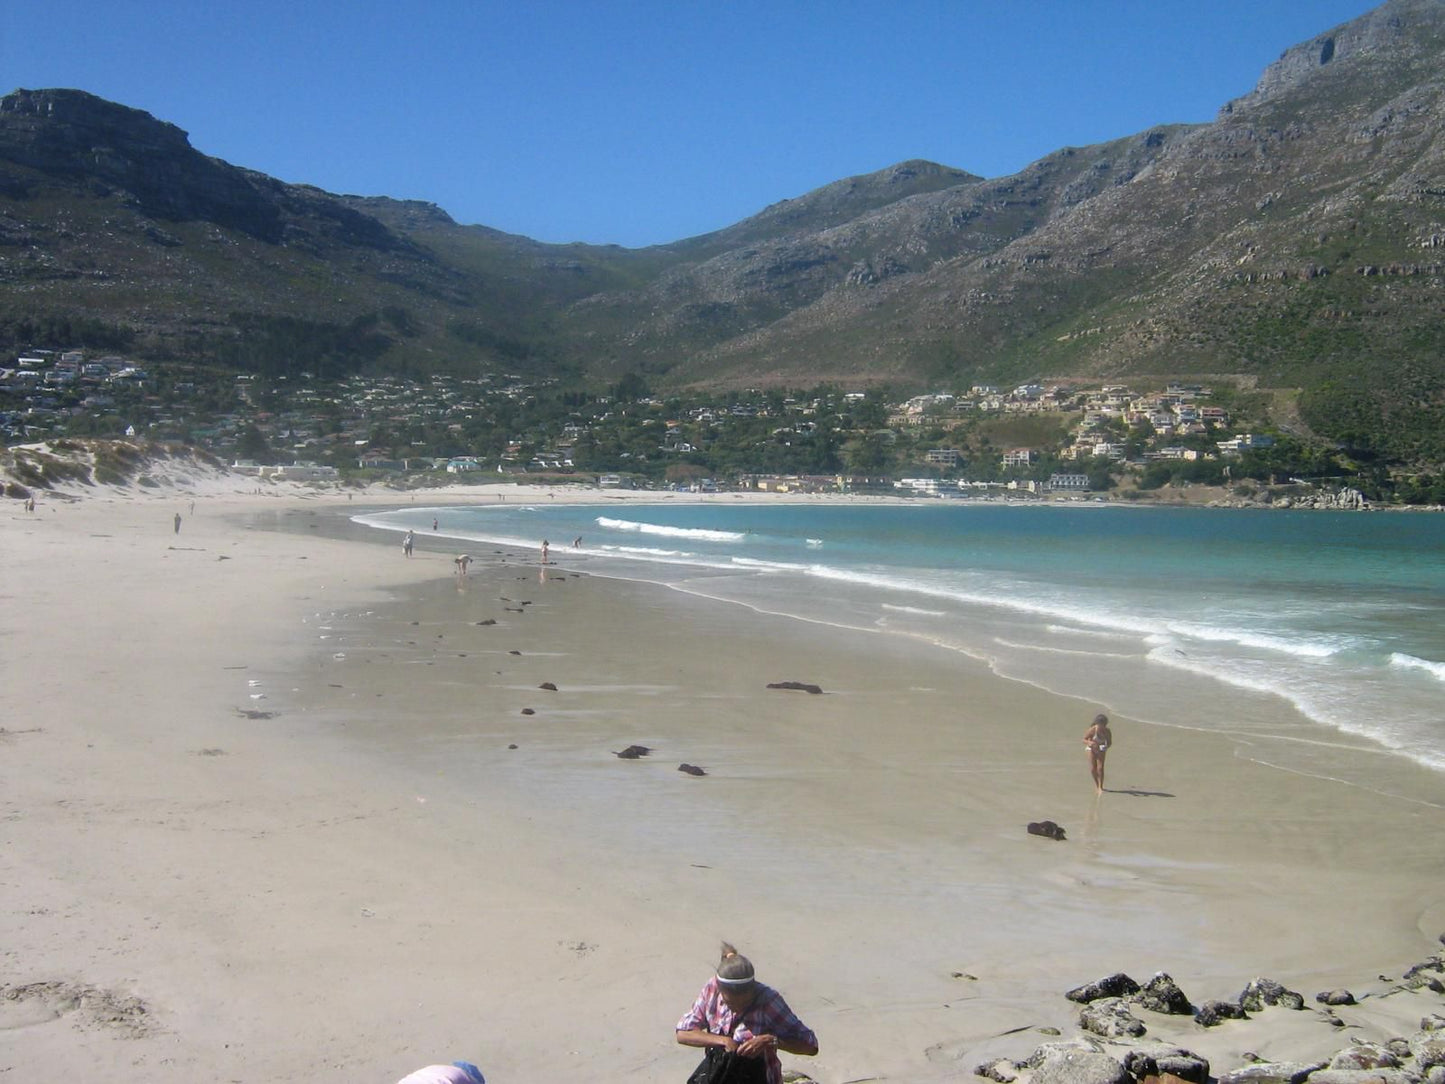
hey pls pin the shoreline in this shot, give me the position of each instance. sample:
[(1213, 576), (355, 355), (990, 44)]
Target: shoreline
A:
[(403, 870)]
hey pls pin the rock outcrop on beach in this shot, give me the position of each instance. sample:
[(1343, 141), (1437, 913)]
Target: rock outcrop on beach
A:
[(1346, 499), (1114, 1047)]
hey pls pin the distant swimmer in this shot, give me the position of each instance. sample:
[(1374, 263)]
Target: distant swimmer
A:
[(461, 561), (434, 525), (577, 542), (1097, 740)]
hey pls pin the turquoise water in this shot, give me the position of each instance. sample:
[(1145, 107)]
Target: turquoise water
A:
[(1220, 619)]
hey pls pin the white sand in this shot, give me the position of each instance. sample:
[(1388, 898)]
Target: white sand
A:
[(371, 881)]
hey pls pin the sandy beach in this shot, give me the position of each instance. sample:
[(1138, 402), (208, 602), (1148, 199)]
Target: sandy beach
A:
[(282, 805)]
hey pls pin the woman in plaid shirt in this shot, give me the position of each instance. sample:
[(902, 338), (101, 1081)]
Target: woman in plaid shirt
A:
[(739, 1014)]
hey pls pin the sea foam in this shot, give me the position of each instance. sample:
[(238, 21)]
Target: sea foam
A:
[(699, 533)]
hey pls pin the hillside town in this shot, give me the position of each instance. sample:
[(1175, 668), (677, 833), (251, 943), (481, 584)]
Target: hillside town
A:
[(1032, 439)]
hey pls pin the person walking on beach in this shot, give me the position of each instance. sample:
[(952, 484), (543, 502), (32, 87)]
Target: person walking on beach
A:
[(407, 542), (178, 523), (1097, 740), (739, 1016), (545, 545), (462, 560)]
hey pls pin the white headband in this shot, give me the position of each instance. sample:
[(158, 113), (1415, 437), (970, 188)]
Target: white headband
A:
[(736, 982)]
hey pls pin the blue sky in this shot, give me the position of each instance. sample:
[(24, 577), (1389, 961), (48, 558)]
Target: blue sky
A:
[(644, 122)]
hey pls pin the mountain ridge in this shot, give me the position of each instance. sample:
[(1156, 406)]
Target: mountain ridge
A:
[(1293, 241)]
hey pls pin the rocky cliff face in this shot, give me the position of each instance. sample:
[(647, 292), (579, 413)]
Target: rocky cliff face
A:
[(73, 135), (112, 149), (1399, 30)]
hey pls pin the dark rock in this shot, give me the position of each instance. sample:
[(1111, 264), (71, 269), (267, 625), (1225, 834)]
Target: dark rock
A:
[(801, 686), (1364, 1055), (632, 752), (1213, 1013), (1433, 1022), (1110, 1018), (1047, 829), (1162, 995), (1116, 985), (1271, 1072), (1335, 997), (1362, 1076), (529, 711), (548, 686), (514, 651), (1435, 963), (488, 621), (1399, 1047), (1003, 1071), (513, 745), (1261, 992), (691, 769), (1170, 1061)]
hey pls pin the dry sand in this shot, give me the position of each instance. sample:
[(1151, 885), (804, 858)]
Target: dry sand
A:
[(263, 822)]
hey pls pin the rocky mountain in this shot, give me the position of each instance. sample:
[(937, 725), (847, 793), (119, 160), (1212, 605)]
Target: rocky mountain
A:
[(1295, 243)]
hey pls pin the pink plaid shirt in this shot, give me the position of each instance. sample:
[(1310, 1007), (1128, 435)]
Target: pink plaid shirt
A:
[(767, 1015)]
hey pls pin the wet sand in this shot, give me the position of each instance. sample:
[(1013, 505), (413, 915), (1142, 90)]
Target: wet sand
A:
[(274, 797)]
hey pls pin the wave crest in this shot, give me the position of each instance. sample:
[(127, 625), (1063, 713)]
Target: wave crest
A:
[(700, 533), (1410, 662)]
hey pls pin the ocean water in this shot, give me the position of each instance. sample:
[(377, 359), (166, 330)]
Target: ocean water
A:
[(1316, 640)]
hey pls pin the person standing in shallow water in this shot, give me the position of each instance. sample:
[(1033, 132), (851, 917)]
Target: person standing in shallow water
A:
[(1097, 740), (740, 1015)]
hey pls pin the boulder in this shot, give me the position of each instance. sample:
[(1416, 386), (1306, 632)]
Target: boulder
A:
[(1362, 1076), (1116, 985), (1161, 994), (1213, 1013), (1428, 1050), (691, 769), (1162, 1061), (1045, 828), (1335, 997), (1079, 1067), (1261, 992), (1110, 1018), (632, 752), (1433, 1022), (1364, 1055), (1271, 1072), (1436, 1075)]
